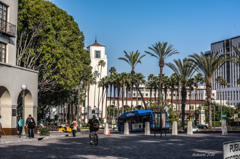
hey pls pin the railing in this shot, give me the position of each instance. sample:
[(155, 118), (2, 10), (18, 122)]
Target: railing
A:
[(7, 28)]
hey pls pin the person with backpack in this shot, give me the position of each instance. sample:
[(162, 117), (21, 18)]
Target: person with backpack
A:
[(74, 127), (27, 123), (94, 127)]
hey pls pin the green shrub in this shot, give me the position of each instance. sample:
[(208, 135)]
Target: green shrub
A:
[(44, 131), (84, 125), (217, 123)]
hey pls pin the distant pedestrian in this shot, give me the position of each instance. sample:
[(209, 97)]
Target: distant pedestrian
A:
[(20, 124), (31, 126), (0, 126), (27, 123), (74, 129)]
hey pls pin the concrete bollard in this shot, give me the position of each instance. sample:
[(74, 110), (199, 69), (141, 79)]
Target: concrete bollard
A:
[(174, 128), (189, 129), (106, 129), (224, 127), (147, 128), (126, 129)]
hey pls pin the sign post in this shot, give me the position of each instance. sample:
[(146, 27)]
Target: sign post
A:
[(231, 149)]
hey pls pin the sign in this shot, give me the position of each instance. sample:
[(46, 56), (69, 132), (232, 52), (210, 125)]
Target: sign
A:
[(14, 112), (130, 114), (231, 149), (223, 115)]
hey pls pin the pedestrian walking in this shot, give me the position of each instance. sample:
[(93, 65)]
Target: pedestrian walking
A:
[(74, 129), (31, 126), (0, 126), (20, 124), (27, 123)]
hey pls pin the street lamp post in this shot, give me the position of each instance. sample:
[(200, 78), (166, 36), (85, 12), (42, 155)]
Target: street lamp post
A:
[(24, 87)]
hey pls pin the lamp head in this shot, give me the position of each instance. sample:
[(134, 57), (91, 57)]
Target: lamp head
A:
[(24, 87)]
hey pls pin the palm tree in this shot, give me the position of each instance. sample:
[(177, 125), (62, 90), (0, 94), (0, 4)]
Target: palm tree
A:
[(190, 82), (102, 64), (102, 83), (198, 78), (139, 77), (161, 51), (150, 86), (173, 82), (178, 89), (133, 59), (166, 84), (208, 64), (128, 82), (155, 87), (106, 84), (222, 82), (91, 80), (112, 70), (185, 70), (118, 84), (123, 79)]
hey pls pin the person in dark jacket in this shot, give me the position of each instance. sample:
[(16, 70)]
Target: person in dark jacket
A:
[(27, 122), (94, 127), (31, 126)]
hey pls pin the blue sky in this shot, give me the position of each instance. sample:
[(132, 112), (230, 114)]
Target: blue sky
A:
[(131, 25)]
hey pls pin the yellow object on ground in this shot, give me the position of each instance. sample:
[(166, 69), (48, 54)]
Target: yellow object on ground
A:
[(68, 129)]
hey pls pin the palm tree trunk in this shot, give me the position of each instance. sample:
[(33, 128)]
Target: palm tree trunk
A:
[(88, 103), (183, 105), (132, 95), (118, 100), (106, 102), (114, 92), (150, 96), (138, 89), (172, 96), (126, 95), (110, 100), (155, 90), (99, 92), (196, 103), (137, 99), (102, 101), (209, 95), (190, 92), (123, 96)]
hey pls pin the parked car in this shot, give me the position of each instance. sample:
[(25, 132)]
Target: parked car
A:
[(195, 128), (201, 126)]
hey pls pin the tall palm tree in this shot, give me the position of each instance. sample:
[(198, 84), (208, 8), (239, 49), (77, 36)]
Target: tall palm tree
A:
[(91, 80), (128, 82), (150, 86), (118, 84), (179, 84), (185, 70), (208, 64), (173, 82), (139, 77), (155, 87), (106, 84), (190, 82), (102, 64), (123, 79), (222, 82), (133, 59), (112, 70), (161, 51), (102, 83), (166, 84), (198, 78)]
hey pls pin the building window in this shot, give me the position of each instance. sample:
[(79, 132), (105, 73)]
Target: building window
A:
[(146, 94), (3, 17), (97, 54), (2, 52)]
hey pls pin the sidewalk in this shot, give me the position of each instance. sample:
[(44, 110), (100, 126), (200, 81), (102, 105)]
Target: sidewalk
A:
[(53, 134)]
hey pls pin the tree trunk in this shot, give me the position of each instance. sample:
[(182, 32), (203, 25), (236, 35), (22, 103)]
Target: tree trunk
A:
[(190, 97), (123, 88), (106, 102), (114, 93), (196, 103), (209, 95), (118, 100), (102, 101), (172, 95), (155, 90), (165, 91), (150, 96), (126, 96), (137, 98), (110, 100), (138, 89), (132, 95), (99, 92), (88, 103), (183, 104)]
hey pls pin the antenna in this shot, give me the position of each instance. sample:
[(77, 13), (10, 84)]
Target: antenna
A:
[(95, 38)]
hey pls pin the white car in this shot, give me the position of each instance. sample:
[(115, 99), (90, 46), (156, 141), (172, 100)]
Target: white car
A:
[(195, 128)]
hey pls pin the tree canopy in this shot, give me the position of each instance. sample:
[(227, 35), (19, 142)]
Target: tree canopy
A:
[(50, 41)]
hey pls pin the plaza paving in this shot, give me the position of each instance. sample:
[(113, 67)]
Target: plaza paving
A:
[(135, 145)]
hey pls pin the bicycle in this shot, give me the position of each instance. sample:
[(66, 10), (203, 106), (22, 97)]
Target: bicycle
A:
[(95, 138)]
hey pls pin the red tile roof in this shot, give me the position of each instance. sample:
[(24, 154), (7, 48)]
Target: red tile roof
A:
[(95, 44)]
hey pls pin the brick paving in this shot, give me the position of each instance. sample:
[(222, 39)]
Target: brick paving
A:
[(120, 146)]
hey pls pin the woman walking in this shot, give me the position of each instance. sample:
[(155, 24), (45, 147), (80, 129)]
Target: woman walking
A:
[(74, 129)]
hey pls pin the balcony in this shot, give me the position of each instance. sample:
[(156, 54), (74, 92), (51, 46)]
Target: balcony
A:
[(7, 28)]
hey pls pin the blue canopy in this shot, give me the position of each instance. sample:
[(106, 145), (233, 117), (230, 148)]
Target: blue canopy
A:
[(135, 113)]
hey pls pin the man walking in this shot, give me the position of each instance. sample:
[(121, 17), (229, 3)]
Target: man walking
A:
[(28, 121)]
